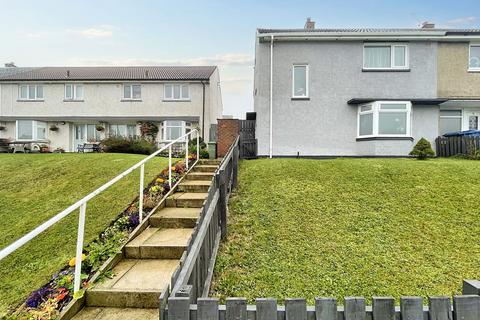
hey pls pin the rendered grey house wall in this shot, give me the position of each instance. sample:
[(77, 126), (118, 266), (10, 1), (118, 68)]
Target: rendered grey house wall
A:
[(325, 124)]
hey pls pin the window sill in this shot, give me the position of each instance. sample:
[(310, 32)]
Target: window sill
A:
[(383, 138), (473, 70), (301, 98), (177, 100), (72, 100), (131, 100), (386, 70), (27, 100)]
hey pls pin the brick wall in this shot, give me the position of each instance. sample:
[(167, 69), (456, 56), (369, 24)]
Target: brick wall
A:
[(228, 130)]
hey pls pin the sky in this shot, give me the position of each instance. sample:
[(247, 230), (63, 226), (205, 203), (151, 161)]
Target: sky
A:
[(188, 32)]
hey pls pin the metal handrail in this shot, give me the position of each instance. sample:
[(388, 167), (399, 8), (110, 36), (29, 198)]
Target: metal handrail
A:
[(82, 204)]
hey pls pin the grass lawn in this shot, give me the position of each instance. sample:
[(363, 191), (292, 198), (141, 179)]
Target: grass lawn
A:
[(34, 188), (351, 227)]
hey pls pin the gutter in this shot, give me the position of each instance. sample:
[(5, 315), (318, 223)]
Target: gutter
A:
[(295, 36), (271, 97)]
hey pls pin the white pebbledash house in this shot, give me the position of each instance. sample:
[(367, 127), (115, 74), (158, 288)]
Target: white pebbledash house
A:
[(64, 107)]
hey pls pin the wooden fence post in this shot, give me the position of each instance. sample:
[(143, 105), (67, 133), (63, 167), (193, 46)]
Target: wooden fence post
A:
[(440, 308), (236, 309), (325, 309), (222, 202), (266, 309), (235, 167), (471, 287), (466, 307), (411, 308), (207, 309), (178, 308), (383, 308), (295, 309), (355, 308)]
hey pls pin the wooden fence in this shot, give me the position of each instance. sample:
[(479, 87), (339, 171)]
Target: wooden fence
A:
[(248, 143), (451, 146), (193, 276)]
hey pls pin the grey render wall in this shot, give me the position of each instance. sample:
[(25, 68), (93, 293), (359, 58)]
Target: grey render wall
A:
[(326, 124)]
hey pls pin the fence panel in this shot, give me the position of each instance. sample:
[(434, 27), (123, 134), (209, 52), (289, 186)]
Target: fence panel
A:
[(452, 146)]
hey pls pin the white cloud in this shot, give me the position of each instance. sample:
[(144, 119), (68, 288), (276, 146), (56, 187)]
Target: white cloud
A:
[(104, 31), (459, 22), (229, 59)]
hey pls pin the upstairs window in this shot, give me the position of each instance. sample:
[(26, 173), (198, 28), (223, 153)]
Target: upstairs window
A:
[(384, 119), (175, 91), (31, 130), (132, 92), (73, 92), (385, 56), (30, 92), (474, 61), (300, 81)]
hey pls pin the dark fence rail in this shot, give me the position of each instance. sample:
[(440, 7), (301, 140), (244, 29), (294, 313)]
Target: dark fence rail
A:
[(451, 146), (193, 276)]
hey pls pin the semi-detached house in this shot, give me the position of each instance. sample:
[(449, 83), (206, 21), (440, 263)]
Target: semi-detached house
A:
[(363, 92), (77, 101)]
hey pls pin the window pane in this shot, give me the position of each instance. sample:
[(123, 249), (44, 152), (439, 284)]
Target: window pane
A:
[(23, 92), (400, 56), (171, 123), (450, 125), (365, 108), (393, 106), (25, 129), (168, 91), (68, 92), (137, 91), (127, 92), (176, 91), (122, 130), (113, 130), (473, 123), (185, 93), (366, 124), (450, 113), (377, 57), (91, 133), (41, 130), (31, 92), (79, 92), (131, 130), (39, 92), (475, 57), (174, 133), (299, 81), (392, 123)]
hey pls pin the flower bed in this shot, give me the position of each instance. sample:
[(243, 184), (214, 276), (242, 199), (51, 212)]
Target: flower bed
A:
[(49, 300)]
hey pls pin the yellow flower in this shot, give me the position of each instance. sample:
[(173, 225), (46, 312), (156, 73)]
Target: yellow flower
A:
[(160, 180), (71, 263), (173, 168)]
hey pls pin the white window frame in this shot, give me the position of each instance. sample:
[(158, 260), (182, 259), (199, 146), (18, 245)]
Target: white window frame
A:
[(126, 129), (307, 80), (181, 85), (74, 96), (376, 112), (392, 55), (461, 117), (131, 85), (34, 130), (165, 126), (28, 85), (477, 69)]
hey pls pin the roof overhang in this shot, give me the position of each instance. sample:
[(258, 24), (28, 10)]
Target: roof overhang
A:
[(422, 102), (120, 119), (462, 103)]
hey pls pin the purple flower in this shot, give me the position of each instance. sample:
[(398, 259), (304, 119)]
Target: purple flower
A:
[(133, 221), (37, 297)]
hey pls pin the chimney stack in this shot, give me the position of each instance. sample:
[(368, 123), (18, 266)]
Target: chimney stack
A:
[(10, 65), (428, 25), (309, 25), (68, 73)]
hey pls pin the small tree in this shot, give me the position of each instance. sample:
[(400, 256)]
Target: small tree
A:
[(422, 150)]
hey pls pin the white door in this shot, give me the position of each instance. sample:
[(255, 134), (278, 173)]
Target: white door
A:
[(80, 134)]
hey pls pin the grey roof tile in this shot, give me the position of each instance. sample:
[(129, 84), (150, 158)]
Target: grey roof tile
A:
[(370, 30)]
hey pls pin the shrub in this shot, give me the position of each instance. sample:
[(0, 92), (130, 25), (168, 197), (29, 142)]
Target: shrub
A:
[(422, 150), (116, 144)]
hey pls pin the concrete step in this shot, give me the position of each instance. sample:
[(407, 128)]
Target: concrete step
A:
[(187, 199), (204, 176), (155, 243), (136, 284), (215, 162), (205, 168), (175, 218), (194, 186), (100, 313)]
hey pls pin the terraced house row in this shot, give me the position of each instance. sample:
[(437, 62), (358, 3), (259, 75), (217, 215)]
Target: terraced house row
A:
[(357, 92), (64, 107)]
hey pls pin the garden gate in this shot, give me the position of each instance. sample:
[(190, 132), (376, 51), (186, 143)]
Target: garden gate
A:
[(248, 143)]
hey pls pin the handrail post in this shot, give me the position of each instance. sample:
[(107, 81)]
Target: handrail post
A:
[(198, 145), (78, 257), (186, 152), (140, 205), (170, 166)]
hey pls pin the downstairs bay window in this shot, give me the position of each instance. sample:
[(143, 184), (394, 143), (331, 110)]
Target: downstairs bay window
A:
[(384, 119), (30, 130)]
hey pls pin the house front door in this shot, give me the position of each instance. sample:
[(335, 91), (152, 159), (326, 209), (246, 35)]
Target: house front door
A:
[(84, 133)]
